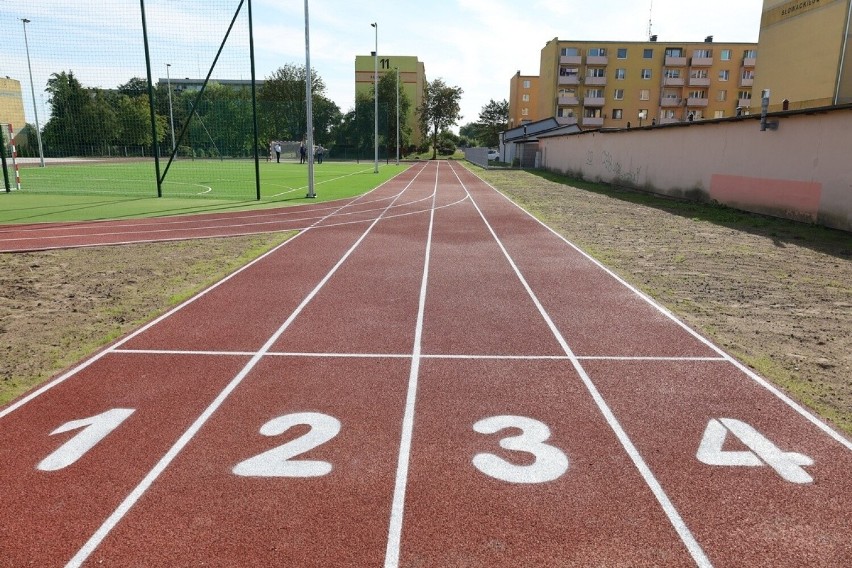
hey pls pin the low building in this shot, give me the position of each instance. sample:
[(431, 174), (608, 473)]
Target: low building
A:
[(12, 104)]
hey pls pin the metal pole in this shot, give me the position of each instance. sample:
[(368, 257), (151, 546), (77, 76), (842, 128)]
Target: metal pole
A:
[(397, 116), (254, 105), (32, 90), (310, 106), (376, 97), (171, 114), (151, 102)]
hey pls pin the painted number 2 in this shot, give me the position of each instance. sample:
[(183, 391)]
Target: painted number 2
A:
[(550, 462), (278, 462)]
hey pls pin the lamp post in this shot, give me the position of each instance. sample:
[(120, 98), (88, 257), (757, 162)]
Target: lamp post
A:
[(32, 90), (376, 98), (397, 116), (171, 114)]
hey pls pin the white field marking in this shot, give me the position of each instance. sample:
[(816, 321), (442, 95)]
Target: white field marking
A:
[(804, 413), (398, 504), (137, 493), (327, 181), (668, 507), (86, 363)]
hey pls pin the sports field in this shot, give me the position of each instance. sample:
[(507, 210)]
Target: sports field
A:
[(84, 190)]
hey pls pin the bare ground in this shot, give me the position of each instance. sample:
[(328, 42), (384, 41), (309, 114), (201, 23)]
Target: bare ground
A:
[(775, 294)]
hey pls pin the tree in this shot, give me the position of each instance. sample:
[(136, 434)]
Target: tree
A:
[(65, 130), (440, 110), (387, 101), (283, 109), (493, 119)]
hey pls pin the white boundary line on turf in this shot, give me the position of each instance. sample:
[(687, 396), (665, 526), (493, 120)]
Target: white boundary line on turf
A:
[(798, 408), (109, 349), (648, 476), (112, 521)]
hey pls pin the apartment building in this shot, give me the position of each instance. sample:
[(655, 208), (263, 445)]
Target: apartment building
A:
[(616, 84), (11, 104), (805, 53), (412, 75), (523, 99)]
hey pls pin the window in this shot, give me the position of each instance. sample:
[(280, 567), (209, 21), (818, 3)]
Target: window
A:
[(596, 72), (526, 98), (750, 53), (726, 55), (617, 113), (568, 71), (526, 84), (643, 114), (672, 73), (674, 52), (569, 51), (618, 95), (722, 96), (671, 95), (719, 114), (698, 94), (748, 73), (620, 73), (525, 112), (698, 74), (646, 73), (703, 53), (565, 112), (647, 54), (571, 93), (668, 114), (592, 113), (622, 53), (644, 95), (724, 75), (597, 51), (744, 95), (595, 93)]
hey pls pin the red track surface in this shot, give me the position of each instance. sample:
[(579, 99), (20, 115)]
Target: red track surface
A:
[(425, 377)]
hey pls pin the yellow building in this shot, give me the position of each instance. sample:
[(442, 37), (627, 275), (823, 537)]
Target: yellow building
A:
[(805, 53), (412, 75), (11, 104), (615, 84), (523, 99)]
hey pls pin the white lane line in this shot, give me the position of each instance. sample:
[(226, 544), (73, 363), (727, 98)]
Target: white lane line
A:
[(398, 504), (408, 356), (137, 493), (668, 507), (799, 409)]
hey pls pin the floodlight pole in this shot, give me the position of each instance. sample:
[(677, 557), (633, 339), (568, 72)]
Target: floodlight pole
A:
[(376, 98), (32, 90), (397, 115), (171, 114), (310, 108)]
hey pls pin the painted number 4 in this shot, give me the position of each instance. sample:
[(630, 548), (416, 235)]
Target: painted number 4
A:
[(760, 451)]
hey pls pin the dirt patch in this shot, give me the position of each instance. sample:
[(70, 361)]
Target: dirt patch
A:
[(57, 307), (775, 294)]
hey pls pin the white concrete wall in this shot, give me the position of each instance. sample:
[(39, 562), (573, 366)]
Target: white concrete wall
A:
[(802, 170)]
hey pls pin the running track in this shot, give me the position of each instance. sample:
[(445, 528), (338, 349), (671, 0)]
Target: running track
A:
[(424, 376)]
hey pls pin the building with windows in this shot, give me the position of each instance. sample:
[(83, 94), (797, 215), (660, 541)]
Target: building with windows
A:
[(805, 53), (523, 99), (616, 84), (412, 75), (12, 104)]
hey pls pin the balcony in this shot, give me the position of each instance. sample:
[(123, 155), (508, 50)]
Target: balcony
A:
[(744, 103), (569, 80), (675, 61), (567, 101), (749, 61), (597, 60), (671, 102), (591, 81), (673, 82), (699, 81), (696, 102), (571, 59), (669, 120), (702, 61), (746, 81), (593, 121), (565, 120), (594, 101)]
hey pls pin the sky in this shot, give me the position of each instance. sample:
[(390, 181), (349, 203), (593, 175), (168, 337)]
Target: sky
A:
[(477, 45)]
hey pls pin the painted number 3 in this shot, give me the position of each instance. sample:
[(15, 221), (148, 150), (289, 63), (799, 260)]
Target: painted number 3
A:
[(549, 462)]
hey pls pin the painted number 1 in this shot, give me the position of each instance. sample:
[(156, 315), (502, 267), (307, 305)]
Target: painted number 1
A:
[(550, 462), (94, 429)]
